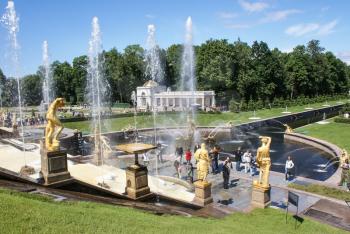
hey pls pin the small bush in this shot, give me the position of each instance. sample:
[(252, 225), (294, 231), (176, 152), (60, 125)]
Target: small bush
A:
[(342, 120)]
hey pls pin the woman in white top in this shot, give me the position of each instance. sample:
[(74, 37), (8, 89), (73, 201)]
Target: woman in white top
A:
[(246, 161), (289, 167)]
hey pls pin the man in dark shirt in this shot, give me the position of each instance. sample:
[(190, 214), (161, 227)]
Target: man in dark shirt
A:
[(238, 157)]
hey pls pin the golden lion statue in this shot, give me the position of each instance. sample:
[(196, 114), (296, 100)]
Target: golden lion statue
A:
[(52, 142)]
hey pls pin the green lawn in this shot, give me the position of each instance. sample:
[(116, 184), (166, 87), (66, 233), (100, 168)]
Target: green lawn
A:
[(336, 133), (323, 190), (202, 119), (24, 213)]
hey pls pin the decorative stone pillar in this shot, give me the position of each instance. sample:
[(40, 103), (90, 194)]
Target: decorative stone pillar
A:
[(203, 103), (54, 167), (202, 193), (261, 197)]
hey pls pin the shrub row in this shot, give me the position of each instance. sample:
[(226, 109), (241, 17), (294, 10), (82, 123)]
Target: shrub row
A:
[(243, 105), (342, 120)]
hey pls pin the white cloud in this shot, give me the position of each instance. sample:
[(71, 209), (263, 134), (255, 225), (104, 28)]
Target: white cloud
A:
[(227, 15), (344, 56), (150, 16), (279, 15), (311, 28), (327, 28), (301, 29), (253, 6)]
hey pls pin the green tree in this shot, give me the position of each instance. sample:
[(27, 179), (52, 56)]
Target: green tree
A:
[(31, 90)]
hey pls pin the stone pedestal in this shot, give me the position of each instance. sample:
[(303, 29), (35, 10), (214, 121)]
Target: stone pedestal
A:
[(137, 182), (261, 197), (54, 166), (202, 193)]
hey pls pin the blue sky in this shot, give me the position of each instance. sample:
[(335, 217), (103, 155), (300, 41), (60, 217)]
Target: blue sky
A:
[(66, 24)]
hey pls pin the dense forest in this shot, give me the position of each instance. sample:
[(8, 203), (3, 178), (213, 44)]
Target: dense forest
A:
[(235, 71)]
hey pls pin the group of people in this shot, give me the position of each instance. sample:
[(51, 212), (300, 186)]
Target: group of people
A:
[(10, 119), (248, 160), (184, 168)]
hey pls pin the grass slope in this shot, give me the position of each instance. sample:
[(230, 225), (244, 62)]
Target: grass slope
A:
[(24, 213), (336, 133), (202, 119)]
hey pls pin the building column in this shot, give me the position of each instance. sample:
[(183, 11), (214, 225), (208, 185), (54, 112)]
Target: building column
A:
[(203, 103), (213, 101), (188, 102)]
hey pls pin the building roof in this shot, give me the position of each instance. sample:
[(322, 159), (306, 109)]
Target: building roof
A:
[(150, 83)]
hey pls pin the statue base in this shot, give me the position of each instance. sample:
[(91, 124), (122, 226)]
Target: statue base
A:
[(54, 166), (261, 197), (202, 193), (137, 182)]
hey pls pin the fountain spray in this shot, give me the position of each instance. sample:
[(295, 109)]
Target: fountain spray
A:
[(10, 21), (47, 83), (155, 71), (96, 87)]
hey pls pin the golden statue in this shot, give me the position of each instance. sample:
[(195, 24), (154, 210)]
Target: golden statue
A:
[(288, 128), (202, 158), (52, 142), (264, 162), (344, 156)]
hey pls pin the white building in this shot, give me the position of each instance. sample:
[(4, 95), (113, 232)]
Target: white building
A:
[(151, 95)]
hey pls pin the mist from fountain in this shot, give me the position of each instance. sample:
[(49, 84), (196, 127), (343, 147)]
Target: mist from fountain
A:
[(96, 88), (47, 83), (10, 21), (155, 71)]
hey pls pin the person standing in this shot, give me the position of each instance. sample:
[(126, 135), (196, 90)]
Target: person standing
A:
[(252, 165), (288, 168), (183, 171), (246, 161), (160, 152), (226, 172), (238, 157), (189, 172), (215, 159), (177, 165), (196, 147), (188, 155)]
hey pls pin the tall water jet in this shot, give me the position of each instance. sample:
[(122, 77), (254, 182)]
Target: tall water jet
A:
[(96, 88), (188, 80), (10, 21), (153, 63), (47, 83), (155, 71)]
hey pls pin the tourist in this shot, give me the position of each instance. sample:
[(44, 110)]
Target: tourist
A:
[(160, 153), (238, 158), (226, 172), (183, 171), (196, 147), (179, 152), (145, 159), (288, 168), (188, 155), (189, 172), (246, 161), (176, 165), (345, 177), (252, 165), (215, 159)]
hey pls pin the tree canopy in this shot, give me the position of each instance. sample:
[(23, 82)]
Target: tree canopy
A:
[(233, 70)]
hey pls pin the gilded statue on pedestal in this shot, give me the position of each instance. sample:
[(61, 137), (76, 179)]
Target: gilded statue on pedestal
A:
[(202, 158), (288, 128), (264, 162), (52, 142)]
